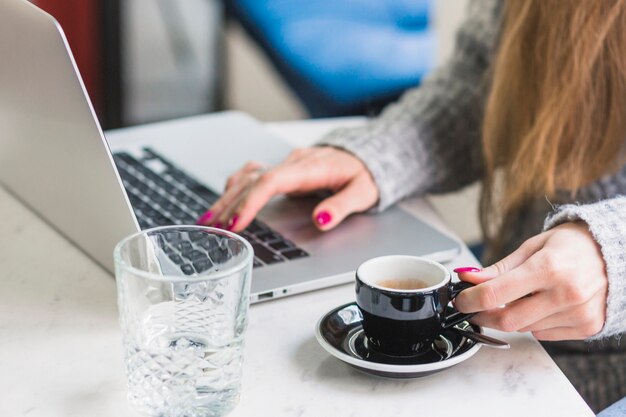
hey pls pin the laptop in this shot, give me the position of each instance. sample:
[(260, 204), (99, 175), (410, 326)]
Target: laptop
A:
[(54, 157)]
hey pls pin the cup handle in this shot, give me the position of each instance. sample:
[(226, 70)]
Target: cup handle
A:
[(456, 318)]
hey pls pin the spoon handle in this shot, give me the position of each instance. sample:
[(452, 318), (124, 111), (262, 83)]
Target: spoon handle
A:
[(484, 339)]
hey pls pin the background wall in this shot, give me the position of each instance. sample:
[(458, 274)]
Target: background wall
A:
[(169, 51)]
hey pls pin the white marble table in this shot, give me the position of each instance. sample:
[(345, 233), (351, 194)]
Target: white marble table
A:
[(61, 352)]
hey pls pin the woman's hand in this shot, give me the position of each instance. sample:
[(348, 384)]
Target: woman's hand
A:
[(304, 171), (555, 286)]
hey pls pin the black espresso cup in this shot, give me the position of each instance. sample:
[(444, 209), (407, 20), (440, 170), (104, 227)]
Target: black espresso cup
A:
[(403, 300)]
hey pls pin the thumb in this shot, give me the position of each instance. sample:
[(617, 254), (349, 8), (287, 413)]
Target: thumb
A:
[(478, 276), (515, 259), (357, 196)]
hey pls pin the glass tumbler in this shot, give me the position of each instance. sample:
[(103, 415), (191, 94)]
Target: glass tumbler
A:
[(183, 296)]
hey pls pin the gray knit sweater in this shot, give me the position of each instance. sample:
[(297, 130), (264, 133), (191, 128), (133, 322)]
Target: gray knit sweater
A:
[(429, 142)]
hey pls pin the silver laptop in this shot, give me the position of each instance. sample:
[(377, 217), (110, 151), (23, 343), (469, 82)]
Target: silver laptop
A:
[(54, 157)]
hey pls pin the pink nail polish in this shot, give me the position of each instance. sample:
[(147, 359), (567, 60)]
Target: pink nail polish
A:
[(218, 225), (323, 218), (466, 269), (232, 222), (205, 218)]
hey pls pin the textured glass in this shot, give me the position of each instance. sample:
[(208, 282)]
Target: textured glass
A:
[(183, 329)]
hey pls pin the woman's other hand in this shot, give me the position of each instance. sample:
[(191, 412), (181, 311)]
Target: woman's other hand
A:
[(555, 286), (305, 170)]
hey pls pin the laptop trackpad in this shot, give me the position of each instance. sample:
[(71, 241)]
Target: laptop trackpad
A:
[(359, 236)]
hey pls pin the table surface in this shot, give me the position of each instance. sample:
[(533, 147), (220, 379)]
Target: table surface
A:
[(61, 351)]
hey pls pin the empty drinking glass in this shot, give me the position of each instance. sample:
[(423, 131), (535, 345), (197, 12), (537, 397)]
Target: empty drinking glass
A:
[(183, 300)]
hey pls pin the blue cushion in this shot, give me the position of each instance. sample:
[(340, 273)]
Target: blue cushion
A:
[(350, 50)]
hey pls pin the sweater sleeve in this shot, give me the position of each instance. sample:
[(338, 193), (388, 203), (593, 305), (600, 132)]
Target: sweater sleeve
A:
[(607, 223), (429, 141)]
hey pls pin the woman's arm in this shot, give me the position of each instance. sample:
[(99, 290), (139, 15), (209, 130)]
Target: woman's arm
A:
[(430, 140)]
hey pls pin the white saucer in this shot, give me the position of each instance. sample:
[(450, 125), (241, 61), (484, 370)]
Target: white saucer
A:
[(340, 333)]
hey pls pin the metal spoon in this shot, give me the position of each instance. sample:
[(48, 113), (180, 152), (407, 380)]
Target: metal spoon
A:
[(483, 339)]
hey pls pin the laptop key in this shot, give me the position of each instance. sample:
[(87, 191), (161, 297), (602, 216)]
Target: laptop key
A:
[(217, 255), (169, 206), (195, 255), (255, 227), (182, 177), (206, 245), (248, 236), (150, 212), (143, 224), (162, 183), (160, 199), (167, 195), (280, 245), (265, 254), (160, 240), (204, 193), (184, 247), (183, 218), (124, 157), (135, 200), (202, 264), (196, 207), (161, 220), (140, 204), (178, 194), (294, 254), (177, 259), (198, 237), (187, 269), (173, 237), (268, 236)]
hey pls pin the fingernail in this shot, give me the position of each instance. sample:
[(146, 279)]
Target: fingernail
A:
[(466, 269), (232, 222), (205, 218), (218, 225), (323, 218)]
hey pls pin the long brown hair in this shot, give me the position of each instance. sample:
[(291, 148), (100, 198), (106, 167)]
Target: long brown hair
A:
[(555, 118)]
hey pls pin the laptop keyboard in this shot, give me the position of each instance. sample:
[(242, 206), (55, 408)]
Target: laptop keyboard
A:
[(163, 195)]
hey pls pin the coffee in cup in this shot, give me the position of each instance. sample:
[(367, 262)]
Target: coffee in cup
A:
[(403, 301), (402, 283)]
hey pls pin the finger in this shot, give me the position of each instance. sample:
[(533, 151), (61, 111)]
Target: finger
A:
[(509, 286), (220, 209), (519, 314), (560, 333), (591, 315), (233, 187), (282, 179), (230, 218), (248, 168), (357, 196), (560, 319), (223, 212), (298, 154), (308, 174), (515, 259)]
